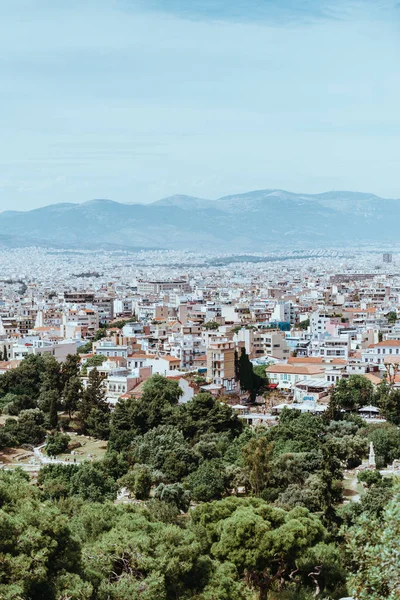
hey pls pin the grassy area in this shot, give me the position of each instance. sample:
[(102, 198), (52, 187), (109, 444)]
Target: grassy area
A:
[(90, 449)]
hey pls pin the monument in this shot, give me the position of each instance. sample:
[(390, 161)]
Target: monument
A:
[(371, 459)]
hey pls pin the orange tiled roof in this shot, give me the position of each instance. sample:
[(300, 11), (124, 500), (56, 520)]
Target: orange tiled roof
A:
[(314, 360), (373, 378)]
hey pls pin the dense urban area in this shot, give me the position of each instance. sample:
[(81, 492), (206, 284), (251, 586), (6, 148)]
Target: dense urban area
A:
[(177, 425)]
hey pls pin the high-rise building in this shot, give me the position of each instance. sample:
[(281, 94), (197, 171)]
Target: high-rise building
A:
[(387, 257)]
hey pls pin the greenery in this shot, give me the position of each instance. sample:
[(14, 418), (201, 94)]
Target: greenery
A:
[(219, 510), (211, 325), (249, 378), (391, 317), (372, 551), (304, 324), (351, 393), (57, 443), (93, 361)]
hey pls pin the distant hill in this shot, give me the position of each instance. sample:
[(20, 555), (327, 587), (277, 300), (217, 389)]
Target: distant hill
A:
[(254, 221)]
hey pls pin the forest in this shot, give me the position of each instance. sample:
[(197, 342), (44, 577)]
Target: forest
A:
[(218, 510)]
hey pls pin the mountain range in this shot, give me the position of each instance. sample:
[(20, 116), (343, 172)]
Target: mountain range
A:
[(253, 222)]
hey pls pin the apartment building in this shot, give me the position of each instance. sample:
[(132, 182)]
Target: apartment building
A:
[(156, 287), (221, 364), (376, 353), (287, 376)]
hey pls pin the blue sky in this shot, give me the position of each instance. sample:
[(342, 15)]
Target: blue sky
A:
[(134, 100)]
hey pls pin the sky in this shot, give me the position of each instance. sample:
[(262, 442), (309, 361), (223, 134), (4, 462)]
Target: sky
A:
[(135, 100)]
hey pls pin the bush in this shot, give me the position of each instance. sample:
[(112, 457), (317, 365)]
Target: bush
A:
[(369, 477)]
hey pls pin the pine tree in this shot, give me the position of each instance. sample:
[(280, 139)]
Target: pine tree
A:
[(69, 368), (249, 381), (94, 407), (53, 417), (245, 371), (72, 394)]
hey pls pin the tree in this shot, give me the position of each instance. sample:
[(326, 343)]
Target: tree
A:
[(89, 483), (85, 348), (55, 480), (211, 325), (388, 399), (138, 481), (257, 460), (264, 543), (53, 416), (94, 410), (350, 449), (12, 404), (249, 380), (386, 440), (204, 414), (259, 370), (25, 379), (69, 368), (36, 545), (57, 443), (72, 394), (353, 392), (165, 449), (391, 317), (304, 324), (296, 432), (245, 371), (208, 482), (369, 477), (93, 361), (29, 427), (321, 567), (50, 377), (372, 547), (157, 406), (175, 494)]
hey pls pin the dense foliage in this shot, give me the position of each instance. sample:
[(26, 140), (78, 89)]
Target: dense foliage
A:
[(266, 518)]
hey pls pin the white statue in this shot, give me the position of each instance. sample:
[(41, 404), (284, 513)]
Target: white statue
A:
[(371, 459)]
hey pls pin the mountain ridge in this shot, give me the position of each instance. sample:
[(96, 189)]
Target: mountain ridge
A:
[(251, 221)]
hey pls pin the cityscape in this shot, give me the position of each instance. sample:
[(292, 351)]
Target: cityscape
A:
[(199, 300), (175, 380)]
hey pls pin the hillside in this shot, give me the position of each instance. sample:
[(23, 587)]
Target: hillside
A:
[(254, 221)]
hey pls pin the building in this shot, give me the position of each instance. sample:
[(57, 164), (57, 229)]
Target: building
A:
[(287, 376), (155, 287), (109, 348), (163, 365), (376, 353), (221, 364)]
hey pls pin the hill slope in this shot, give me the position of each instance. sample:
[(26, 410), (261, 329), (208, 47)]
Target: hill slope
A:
[(254, 221)]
